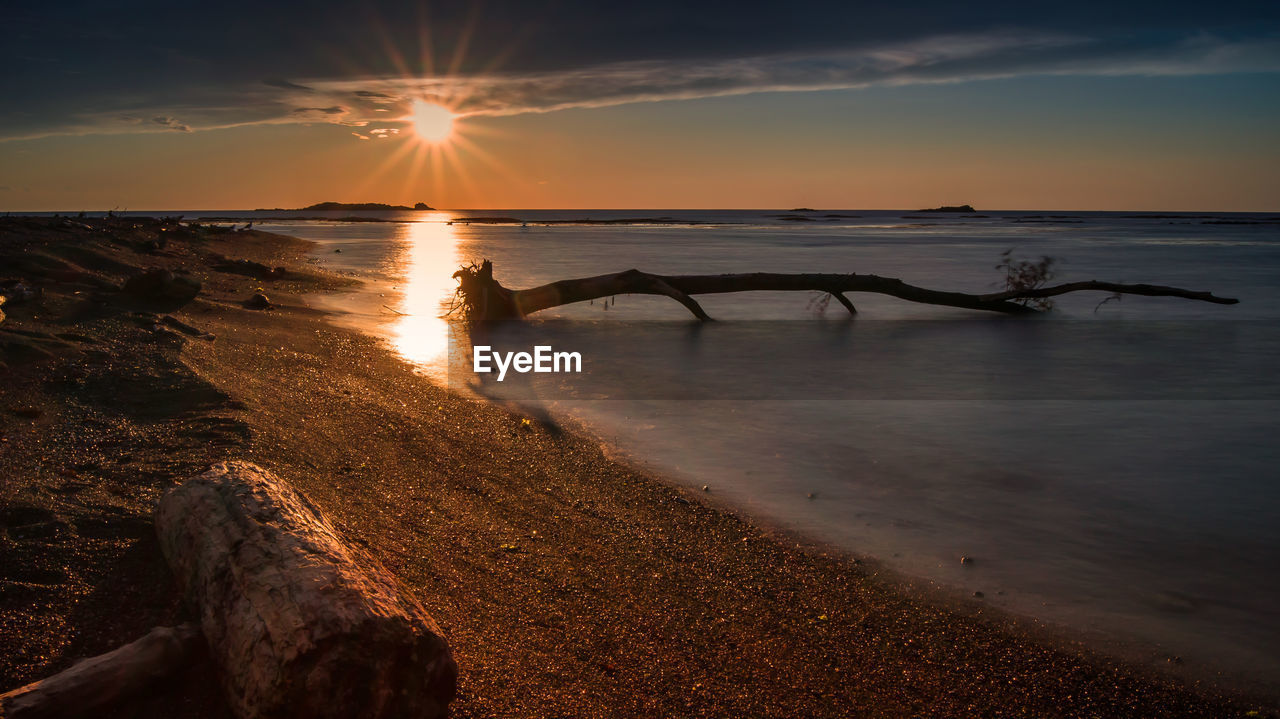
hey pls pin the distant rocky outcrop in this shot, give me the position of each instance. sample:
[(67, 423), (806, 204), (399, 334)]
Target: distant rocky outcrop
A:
[(348, 206), (950, 208)]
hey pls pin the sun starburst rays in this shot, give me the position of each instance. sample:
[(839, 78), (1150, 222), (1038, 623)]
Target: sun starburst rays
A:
[(435, 146)]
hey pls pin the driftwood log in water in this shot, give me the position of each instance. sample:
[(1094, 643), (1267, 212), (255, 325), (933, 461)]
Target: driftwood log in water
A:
[(485, 298), (299, 623)]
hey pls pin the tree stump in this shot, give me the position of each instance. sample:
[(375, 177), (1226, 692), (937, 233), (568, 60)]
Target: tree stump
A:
[(299, 623)]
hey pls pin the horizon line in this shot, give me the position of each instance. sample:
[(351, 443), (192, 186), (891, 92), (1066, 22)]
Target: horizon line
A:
[(638, 209)]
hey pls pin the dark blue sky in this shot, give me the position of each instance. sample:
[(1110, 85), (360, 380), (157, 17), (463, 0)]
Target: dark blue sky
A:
[(89, 56)]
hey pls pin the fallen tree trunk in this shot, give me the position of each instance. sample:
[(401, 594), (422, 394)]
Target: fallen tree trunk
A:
[(298, 623), (485, 298), (101, 681)]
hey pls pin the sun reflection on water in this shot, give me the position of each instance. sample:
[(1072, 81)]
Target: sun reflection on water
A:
[(428, 257)]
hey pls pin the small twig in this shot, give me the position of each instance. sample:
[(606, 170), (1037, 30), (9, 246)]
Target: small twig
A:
[(1117, 297)]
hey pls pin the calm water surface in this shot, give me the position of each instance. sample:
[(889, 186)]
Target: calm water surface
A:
[(1149, 524)]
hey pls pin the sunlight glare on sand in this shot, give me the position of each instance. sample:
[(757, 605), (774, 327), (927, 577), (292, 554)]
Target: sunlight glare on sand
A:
[(428, 259)]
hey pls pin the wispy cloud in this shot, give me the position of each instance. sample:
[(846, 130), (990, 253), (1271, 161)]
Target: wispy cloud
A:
[(359, 101), (170, 123), (939, 59), (285, 84), (322, 114), (936, 60), (153, 124)]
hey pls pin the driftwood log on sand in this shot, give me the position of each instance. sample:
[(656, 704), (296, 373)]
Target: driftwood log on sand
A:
[(92, 684), (297, 623), (484, 298)]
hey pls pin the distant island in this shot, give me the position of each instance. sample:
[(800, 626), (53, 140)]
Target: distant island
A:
[(348, 206), (950, 208)]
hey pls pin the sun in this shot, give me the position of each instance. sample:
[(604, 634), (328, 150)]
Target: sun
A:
[(431, 122)]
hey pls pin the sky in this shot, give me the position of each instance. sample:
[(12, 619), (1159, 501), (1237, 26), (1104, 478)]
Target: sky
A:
[(662, 104)]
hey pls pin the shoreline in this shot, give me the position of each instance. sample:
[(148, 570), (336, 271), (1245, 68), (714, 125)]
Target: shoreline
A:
[(563, 578), (1163, 641), (1143, 654)]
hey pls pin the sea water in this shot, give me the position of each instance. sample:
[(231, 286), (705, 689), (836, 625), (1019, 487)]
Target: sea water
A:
[(1124, 486)]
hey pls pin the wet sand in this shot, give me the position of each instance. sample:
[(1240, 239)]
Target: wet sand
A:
[(567, 583)]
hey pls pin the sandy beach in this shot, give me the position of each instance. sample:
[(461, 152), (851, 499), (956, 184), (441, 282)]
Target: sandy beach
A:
[(567, 583)]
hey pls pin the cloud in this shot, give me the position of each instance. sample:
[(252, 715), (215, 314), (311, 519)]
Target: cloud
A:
[(939, 59), (359, 101), (170, 123), (285, 84), (334, 115), (935, 60), (331, 110)]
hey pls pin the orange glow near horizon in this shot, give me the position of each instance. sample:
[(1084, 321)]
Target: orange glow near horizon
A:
[(431, 122)]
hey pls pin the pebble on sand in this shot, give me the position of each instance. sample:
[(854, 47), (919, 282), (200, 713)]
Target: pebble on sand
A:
[(258, 302)]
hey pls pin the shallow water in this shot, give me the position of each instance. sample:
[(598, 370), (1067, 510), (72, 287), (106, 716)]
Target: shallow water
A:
[(1146, 520)]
